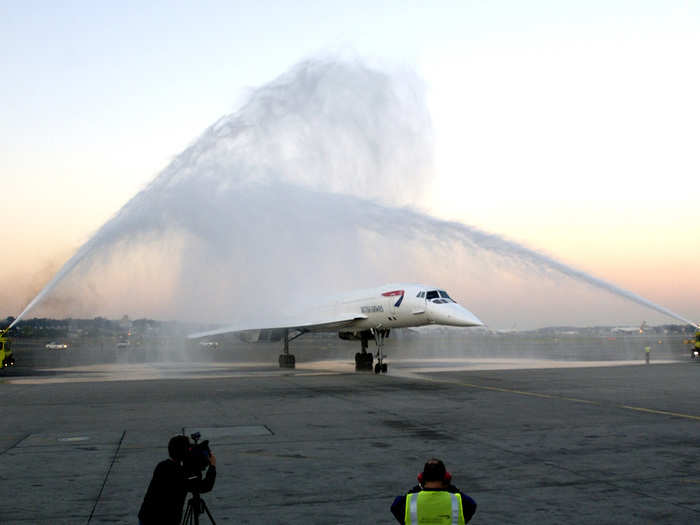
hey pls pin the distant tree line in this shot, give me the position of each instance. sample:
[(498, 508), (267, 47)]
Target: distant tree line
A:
[(98, 326), (61, 328)]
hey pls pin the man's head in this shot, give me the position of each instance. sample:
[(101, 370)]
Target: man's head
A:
[(178, 447), (434, 473)]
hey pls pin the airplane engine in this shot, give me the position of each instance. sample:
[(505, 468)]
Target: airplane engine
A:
[(350, 336), (357, 336)]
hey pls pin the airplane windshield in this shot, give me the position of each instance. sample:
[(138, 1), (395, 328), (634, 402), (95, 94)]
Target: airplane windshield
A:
[(444, 295), (437, 296)]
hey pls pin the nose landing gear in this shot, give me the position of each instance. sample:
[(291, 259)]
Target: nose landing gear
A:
[(379, 334)]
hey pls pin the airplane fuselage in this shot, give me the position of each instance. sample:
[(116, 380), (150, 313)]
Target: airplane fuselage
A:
[(362, 315), (402, 306)]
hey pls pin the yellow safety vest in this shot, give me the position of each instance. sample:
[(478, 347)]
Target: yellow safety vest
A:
[(434, 507)]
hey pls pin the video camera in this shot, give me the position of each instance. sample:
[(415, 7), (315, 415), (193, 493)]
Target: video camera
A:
[(197, 458)]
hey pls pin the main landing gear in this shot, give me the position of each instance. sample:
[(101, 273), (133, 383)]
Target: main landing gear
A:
[(288, 360), (365, 360)]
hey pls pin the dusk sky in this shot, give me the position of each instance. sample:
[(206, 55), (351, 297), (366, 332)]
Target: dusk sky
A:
[(572, 128)]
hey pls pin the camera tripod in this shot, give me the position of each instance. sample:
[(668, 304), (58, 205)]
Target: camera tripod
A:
[(195, 507)]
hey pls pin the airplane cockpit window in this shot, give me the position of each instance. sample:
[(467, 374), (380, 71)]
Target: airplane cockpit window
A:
[(444, 295), (432, 294)]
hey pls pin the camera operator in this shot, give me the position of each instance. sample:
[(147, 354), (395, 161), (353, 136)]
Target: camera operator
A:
[(170, 484)]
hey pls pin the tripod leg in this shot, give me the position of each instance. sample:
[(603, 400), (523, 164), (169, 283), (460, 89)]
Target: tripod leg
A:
[(206, 509), (188, 511), (191, 514)]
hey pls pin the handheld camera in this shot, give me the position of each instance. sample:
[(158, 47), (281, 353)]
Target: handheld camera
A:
[(197, 458)]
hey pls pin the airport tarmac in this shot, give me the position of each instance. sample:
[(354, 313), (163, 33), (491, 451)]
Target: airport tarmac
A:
[(532, 441)]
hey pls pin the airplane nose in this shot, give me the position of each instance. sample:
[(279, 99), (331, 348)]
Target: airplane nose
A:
[(453, 314), (464, 317)]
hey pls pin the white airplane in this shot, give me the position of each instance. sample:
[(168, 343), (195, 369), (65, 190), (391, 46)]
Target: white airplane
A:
[(630, 329), (362, 315)]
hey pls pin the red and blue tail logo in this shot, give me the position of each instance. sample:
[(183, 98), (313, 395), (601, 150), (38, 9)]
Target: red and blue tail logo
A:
[(394, 293)]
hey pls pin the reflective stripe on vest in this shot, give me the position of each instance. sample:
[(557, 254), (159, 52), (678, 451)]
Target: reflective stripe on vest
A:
[(434, 505), (414, 508)]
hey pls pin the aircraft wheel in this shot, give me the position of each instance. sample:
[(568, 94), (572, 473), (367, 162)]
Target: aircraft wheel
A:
[(377, 368), (363, 361), (287, 361), (385, 368)]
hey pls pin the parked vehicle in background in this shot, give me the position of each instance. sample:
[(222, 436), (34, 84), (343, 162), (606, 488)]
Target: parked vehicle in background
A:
[(53, 345)]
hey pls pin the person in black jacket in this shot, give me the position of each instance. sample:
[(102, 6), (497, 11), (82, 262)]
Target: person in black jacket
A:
[(434, 477), (170, 484)]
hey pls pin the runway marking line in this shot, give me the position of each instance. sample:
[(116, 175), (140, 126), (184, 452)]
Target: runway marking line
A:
[(572, 399), (661, 412)]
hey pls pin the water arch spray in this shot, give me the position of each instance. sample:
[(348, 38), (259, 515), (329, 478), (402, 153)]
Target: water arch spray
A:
[(311, 185)]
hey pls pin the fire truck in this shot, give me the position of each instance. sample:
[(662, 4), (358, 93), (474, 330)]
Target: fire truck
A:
[(6, 357), (695, 346)]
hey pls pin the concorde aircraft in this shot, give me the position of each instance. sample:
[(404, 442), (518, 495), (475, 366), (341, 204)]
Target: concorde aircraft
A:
[(362, 315)]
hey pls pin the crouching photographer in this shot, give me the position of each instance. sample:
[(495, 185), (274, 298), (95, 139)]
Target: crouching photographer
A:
[(174, 477)]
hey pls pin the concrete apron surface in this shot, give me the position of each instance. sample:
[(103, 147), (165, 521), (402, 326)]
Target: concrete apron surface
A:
[(613, 444)]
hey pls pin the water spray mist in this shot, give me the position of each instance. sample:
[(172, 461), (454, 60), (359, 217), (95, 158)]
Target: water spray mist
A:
[(311, 186)]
